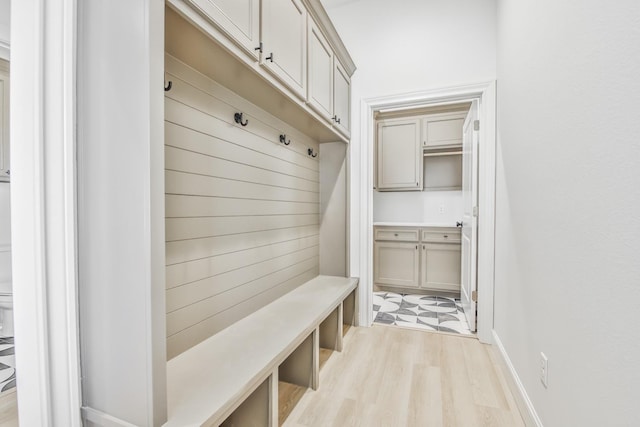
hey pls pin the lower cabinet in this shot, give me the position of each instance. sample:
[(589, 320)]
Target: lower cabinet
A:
[(396, 264), (428, 258), (440, 266)]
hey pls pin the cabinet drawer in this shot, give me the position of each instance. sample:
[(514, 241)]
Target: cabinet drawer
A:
[(397, 235), (440, 236)]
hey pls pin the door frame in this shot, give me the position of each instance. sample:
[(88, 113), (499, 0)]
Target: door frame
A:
[(485, 93), (43, 212)]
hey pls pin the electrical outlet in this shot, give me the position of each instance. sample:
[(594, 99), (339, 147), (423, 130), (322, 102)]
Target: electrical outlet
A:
[(544, 370), (441, 209)]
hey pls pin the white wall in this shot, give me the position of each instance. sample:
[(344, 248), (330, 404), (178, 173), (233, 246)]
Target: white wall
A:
[(567, 226), (5, 28), (407, 46), (121, 211), (417, 206)]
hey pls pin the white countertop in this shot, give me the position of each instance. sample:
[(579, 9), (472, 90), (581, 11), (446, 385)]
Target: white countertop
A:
[(413, 224)]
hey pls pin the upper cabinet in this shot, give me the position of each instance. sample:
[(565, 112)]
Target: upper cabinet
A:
[(399, 155), (442, 130), (239, 19), (284, 42), (329, 91), (291, 45), (4, 121), (341, 99), (320, 95)]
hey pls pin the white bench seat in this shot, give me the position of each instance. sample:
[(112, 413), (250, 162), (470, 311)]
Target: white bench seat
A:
[(206, 383)]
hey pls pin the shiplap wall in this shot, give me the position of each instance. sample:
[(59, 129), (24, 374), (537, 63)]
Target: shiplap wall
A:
[(242, 209)]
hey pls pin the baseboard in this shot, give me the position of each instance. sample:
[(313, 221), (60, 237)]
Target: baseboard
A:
[(99, 418), (528, 412)]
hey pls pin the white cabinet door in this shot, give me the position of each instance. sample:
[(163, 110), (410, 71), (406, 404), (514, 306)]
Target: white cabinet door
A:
[(320, 67), (443, 130), (284, 38), (4, 125), (440, 266), (399, 155), (396, 264), (240, 19), (341, 99)]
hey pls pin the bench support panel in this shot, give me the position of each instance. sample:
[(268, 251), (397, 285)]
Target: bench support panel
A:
[(331, 330), (349, 311), (302, 366)]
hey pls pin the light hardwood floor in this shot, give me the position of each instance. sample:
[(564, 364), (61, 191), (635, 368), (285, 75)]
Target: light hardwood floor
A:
[(8, 409), (389, 376)]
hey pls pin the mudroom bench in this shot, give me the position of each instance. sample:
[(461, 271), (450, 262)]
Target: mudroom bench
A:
[(238, 376)]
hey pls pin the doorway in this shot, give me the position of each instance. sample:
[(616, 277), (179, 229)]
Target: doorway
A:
[(484, 96)]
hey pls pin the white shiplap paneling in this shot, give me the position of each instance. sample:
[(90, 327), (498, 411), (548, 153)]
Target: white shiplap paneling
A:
[(242, 209)]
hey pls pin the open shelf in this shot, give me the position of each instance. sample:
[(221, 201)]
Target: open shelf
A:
[(288, 397), (255, 410), (442, 171)]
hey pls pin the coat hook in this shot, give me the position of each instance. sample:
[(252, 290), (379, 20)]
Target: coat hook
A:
[(167, 88), (237, 117), (311, 153), (283, 139)]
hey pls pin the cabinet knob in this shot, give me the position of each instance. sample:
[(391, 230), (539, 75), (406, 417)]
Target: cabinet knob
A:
[(446, 236), (395, 234)]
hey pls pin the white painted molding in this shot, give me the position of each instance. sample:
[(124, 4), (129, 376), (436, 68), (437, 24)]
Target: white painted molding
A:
[(485, 93), (43, 203), (101, 419), (486, 212), (528, 412)]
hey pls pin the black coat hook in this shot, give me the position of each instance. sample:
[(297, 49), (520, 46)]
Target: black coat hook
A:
[(283, 139), (311, 153), (237, 117), (167, 88)]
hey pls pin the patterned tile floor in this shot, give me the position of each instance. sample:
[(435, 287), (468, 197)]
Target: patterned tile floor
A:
[(428, 312), (7, 364)]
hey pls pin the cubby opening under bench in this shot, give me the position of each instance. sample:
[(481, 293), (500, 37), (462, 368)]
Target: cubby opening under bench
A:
[(252, 373)]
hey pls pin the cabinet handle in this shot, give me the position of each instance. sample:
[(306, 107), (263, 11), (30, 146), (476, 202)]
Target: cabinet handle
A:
[(424, 247), (446, 237), (459, 224), (338, 120), (416, 247), (269, 58), (259, 47)]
